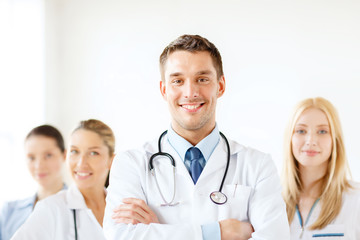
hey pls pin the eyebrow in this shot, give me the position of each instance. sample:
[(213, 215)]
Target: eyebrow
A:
[(202, 72), (95, 147), (176, 74), (304, 125)]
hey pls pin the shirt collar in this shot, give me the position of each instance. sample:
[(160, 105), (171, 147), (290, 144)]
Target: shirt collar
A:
[(30, 201), (27, 202), (74, 198), (206, 146)]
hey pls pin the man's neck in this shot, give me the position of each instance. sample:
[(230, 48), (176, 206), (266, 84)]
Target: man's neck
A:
[(193, 136)]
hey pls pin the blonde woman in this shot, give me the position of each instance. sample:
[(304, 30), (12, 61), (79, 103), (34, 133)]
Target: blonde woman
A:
[(77, 213), (321, 201)]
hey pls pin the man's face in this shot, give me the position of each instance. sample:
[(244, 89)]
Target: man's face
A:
[(191, 88)]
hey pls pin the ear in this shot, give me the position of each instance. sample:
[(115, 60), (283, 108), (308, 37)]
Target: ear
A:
[(221, 86), (163, 88)]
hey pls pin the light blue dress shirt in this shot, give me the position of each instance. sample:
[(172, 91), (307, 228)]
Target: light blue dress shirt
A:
[(207, 146), (14, 214)]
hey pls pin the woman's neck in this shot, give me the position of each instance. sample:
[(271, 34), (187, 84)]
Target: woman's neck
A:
[(93, 196), (312, 179), (44, 192), (95, 200)]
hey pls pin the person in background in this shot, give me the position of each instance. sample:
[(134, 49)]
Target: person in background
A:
[(45, 157), (77, 213), (321, 200)]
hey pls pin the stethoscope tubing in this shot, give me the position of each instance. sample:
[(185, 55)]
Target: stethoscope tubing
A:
[(160, 153), (227, 162), (75, 225)]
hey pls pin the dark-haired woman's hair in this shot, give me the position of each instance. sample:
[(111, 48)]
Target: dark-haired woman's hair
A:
[(50, 132)]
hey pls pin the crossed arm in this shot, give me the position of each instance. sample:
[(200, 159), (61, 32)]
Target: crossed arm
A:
[(135, 211)]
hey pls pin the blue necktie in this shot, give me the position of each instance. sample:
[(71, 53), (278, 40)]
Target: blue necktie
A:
[(194, 155)]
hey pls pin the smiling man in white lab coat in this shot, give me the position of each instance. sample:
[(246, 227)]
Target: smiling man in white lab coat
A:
[(177, 205)]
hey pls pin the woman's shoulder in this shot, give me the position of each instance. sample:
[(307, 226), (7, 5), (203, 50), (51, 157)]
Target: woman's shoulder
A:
[(14, 205), (353, 192), (57, 200)]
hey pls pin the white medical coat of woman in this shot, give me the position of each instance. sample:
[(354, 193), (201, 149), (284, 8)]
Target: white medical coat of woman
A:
[(53, 219), (347, 223), (252, 186)]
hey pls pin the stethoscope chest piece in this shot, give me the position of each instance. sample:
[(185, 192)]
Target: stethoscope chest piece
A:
[(218, 197)]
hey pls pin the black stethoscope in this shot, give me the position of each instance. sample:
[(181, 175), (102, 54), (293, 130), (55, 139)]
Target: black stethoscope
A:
[(75, 227), (217, 196)]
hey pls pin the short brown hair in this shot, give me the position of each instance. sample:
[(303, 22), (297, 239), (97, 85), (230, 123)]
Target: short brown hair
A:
[(192, 43)]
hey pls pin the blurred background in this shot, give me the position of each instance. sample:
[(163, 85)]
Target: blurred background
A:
[(62, 61)]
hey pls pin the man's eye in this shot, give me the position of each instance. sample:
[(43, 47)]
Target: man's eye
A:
[(176, 81), (202, 79), (49, 155)]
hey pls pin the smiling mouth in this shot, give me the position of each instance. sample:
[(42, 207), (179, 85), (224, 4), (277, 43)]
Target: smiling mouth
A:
[(82, 174), (311, 153), (192, 107)]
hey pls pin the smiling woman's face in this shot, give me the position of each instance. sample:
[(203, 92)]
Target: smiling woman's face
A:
[(311, 140), (88, 159)]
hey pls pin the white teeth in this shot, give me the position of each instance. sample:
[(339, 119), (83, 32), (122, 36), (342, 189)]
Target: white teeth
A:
[(83, 174), (191, 107)]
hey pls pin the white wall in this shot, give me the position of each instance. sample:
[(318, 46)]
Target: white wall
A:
[(21, 90), (102, 62), (275, 53)]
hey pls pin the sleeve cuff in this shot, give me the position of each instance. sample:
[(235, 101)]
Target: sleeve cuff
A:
[(211, 231)]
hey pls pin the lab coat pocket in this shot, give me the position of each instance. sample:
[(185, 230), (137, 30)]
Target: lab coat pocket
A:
[(237, 202), (332, 231)]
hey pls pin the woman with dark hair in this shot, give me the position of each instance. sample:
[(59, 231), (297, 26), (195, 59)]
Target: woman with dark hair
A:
[(45, 157), (77, 212)]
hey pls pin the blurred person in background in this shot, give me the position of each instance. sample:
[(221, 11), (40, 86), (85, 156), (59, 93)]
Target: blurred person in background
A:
[(45, 157), (322, 202), (77, 213)]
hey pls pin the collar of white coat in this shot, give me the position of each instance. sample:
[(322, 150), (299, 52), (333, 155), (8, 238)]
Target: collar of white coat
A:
[(219, 155), (206, 145), (75, 199)]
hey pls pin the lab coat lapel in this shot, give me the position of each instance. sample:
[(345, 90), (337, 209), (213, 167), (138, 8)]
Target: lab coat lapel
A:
[(166, 147), (218, 159), (74, 198), (180, 166)]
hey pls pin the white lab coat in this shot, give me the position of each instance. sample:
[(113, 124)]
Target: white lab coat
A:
[(252, 186), (347, 222), (53, 219)]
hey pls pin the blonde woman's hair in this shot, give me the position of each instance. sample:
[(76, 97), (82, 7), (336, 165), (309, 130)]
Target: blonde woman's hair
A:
[(103, 130), (335, 181)]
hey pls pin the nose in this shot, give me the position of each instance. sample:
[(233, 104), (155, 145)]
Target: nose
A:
[(81, 161), (191, 90), (311, 139), (38, 163)]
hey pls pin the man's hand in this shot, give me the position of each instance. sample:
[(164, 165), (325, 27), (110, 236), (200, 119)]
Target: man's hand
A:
[(232, 229), (134, 211)]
